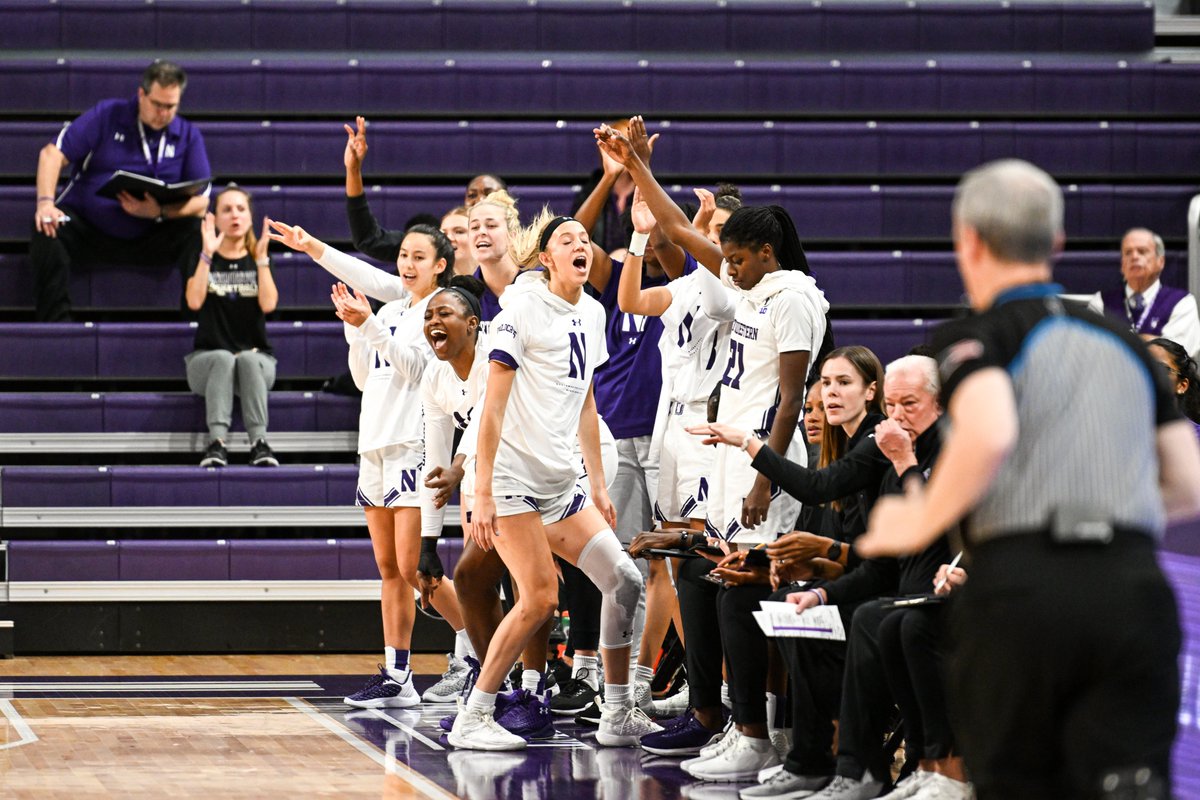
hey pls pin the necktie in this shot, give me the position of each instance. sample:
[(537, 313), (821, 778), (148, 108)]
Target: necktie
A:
[(1137, 304)]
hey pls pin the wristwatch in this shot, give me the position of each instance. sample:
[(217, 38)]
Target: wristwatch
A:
[(834, 552)]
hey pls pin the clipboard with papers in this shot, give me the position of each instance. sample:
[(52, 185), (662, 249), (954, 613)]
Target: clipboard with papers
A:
[(780, 620), (141, 185)]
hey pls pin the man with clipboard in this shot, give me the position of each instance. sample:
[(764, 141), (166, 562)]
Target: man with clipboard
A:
[(142, 135)]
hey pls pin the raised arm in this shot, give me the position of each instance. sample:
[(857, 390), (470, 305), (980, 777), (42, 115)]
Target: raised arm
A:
[(631, 297), (355, 273), (673, 222), (588, 215)]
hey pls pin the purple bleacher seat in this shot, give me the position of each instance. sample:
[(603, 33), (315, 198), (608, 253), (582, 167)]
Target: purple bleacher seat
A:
[(1159, 149), (152, 412), (48, 350), (134, 286), (1104, 28), (287, 411), (883, 87), (165, 486), (916, 211), (888, 339), (965, 27), (92, 24), (356, 560), (142, 349), (877, 27), (932, 279), (55, 487), (757, 26), (606, 23), (42, 412), (398, 26), (174, 560), (449, 551), (289, 341), (325, 349), (948, 148), (22, 142), (30, 24), (295, 26), (341, 481), (661, 26), (860, 279), (852, 148), (1071, 147), (16, 280), (829, 212), (63, 561), (721, 148), (337, 412), (1077, 87), (1161, 208), (286, 485), (283, 560), (204, 25), (986, 85)]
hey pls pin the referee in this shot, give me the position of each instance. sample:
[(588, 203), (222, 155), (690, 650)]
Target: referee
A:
[(1065, 459)]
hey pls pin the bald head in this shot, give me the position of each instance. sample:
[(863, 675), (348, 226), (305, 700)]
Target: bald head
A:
[(1015, 209)]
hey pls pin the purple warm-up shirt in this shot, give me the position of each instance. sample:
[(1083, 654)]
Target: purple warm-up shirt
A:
[(105, 139)]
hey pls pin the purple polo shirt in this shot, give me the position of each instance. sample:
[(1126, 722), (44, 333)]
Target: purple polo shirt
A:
[(105, 139), (629, 383)]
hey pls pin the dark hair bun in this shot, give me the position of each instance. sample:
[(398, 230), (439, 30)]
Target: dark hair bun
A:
[(727, 190), (469, 284)]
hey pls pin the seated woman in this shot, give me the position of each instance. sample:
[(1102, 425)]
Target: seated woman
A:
[(1184, 376), (233, 289)]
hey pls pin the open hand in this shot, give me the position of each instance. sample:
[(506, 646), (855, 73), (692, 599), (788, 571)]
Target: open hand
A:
[(640, 214), (350, 308), (293, 236), (642, 145), (264, 243), (210, 238), (356, 144)]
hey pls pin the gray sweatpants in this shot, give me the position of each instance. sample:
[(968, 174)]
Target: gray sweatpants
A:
[(218, 375)]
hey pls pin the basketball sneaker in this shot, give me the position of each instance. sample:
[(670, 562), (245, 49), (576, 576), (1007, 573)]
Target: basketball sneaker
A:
[(382, 691)]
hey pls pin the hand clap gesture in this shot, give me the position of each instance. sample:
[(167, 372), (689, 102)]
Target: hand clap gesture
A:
[(210, 238), (350, 308)]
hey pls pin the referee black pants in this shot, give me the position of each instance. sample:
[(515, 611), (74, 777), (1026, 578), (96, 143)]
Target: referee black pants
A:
[(172, 242), (1065, 669)]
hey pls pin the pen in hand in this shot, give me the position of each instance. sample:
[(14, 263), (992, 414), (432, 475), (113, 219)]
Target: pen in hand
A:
[(953, 564)]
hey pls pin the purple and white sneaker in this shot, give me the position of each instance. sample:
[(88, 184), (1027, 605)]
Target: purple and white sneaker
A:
[(685, 737), (526, 715), (382, 691)]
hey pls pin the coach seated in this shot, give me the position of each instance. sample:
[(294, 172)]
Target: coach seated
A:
[(1150, 307), (143, 135)]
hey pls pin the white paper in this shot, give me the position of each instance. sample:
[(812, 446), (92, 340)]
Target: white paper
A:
[(780, 620)]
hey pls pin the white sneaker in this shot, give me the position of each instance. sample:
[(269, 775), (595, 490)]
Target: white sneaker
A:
[(843, 788), (741, 762), (940, 787), (717, 745), (765, 775), (909, 786), (477, 729), (384, 690), (643, 698), (450, 686), (622, 726), (674, 705), (784, 785), (781, 740)]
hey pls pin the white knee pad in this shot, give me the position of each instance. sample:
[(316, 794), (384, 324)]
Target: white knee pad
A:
[(620, 584)]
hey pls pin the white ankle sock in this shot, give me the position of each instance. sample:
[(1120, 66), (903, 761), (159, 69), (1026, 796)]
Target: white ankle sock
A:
[(462, 645), (618, 694), (644, 674), (530, 679), (481, 700), (590, 663)]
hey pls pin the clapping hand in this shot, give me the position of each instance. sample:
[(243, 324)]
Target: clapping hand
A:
[(264, 243), (210, 237), (643, 146), (708, 207), (640, 214), (352, 309)]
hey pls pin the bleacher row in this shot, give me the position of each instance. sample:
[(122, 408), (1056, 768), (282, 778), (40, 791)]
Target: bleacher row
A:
[(876, 279), (549, 25), (609, 85), (768, 150), (865, 214)]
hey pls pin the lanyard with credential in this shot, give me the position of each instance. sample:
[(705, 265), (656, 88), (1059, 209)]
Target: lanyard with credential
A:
[(162, 143)]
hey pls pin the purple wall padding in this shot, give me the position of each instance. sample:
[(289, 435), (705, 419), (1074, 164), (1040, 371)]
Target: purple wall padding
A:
[(174, 560), (283, 559), (55, 486), (62, 561)]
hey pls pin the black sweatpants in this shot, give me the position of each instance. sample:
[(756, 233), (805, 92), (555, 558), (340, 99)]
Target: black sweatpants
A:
[(698, 608), (745, 647), (171, 242), (1065, 667), (815, 685), (913, 644)]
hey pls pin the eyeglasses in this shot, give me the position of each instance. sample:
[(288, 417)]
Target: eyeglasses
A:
[(163, 106)]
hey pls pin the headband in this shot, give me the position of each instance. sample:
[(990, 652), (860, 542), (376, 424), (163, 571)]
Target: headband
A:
[(471, 300), (548, 231)]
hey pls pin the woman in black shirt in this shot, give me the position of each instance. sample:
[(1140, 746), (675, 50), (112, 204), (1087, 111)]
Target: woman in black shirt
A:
[(233, 289)]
